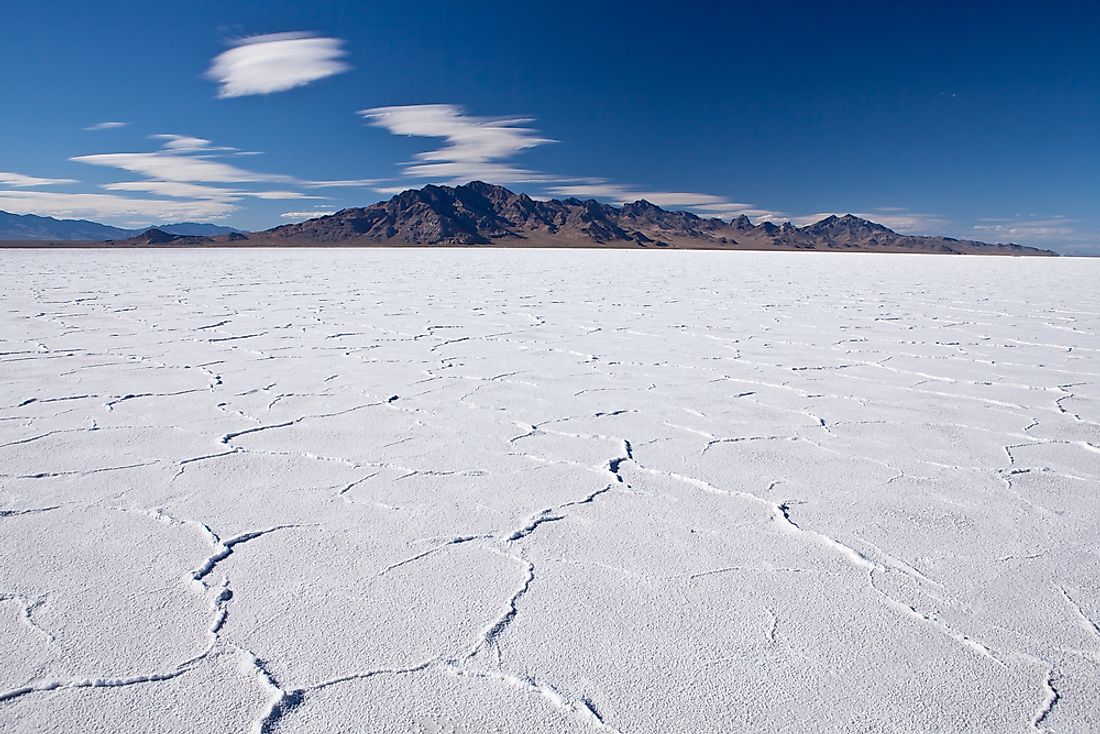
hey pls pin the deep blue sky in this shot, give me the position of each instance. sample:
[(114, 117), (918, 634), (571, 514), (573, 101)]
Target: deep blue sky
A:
[(977, 120)]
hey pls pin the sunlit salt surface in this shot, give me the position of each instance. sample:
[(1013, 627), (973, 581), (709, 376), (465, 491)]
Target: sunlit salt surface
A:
[(548, 491)]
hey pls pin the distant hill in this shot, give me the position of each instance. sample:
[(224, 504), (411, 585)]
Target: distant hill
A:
[(197, 229), (481, 214), (32, 227), (158, 236)]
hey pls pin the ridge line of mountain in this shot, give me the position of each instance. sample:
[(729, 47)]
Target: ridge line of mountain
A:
[(36, 227), (480, 214)]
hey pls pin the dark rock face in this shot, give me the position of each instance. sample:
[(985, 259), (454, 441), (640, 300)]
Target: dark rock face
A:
[(742, 223), (198, 229), (479, 213), (155, 236)]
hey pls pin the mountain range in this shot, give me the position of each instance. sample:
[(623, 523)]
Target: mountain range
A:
[(33, 227), (478, 213)]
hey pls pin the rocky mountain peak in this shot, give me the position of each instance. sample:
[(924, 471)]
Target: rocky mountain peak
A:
[(849, 223), (155, 236)]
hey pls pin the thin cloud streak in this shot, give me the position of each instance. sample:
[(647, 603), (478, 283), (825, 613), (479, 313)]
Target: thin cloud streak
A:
[(184, 190), (189, 179), (189, 144), (50, 203), (306, 215), (169, 166), (1042, 229), (20, 181), (105, 126), (186, 159), (175, 189), (346, 183), (275, 63), (476, 147)]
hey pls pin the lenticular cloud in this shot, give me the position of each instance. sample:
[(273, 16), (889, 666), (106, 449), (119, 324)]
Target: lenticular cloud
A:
[(276, 62)]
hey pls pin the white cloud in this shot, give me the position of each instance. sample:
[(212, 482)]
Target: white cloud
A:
[(1030, 228), (342, 183), (169, 166), (179, 189), (183, 142), (281, 195), (175, 189), (49, 203), (757, 215), (724, 208), (275, 63), (182, 158), (911, 223), (106, 126), (18, 180), (475, 146), (186, 177), (305, 215)]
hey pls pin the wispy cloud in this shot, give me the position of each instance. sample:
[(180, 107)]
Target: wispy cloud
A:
[(306, 215), (188, 144), (281, 195), (168, 166), (182, 158), (483, 148), (105, 126), (476, 147), (346, 183), (910, 223), (110, 206), (184, 190), (275, 63), (19, 181), (1033, 228), (186, 176), (175, 189)]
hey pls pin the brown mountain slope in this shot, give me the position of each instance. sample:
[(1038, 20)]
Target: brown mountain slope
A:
[(483, 214)]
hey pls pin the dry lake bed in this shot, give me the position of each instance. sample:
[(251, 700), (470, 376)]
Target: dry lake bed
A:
[(548, 491)]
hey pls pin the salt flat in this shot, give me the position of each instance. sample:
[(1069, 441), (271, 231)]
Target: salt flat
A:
[(545, 491)]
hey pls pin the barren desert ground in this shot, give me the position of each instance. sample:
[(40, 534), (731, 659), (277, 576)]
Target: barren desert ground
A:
[(548, 491)]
